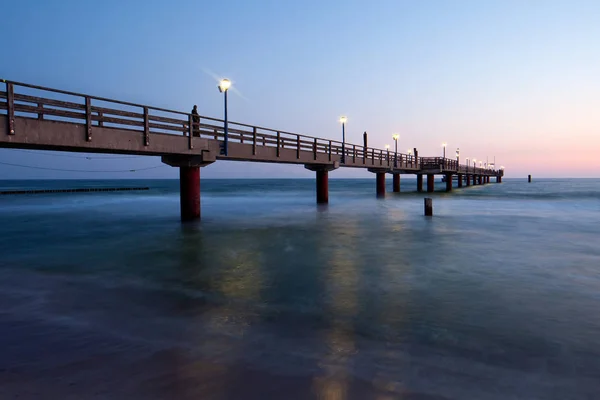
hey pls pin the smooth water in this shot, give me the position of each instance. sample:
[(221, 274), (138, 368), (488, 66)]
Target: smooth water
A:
[(107, 295)]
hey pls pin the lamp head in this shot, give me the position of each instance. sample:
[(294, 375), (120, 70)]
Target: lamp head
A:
[(387, 146), (224, 85), (343, 119), (396, 136), (444, 144)]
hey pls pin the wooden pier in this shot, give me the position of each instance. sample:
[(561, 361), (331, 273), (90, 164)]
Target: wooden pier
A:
[(35, 117)]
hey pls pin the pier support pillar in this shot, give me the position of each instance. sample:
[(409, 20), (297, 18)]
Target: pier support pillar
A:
[(322, 173), (322, 187), (380, 184), (430, 183), (529, 178), (396, 185), (189, 182), (468, 179), (189, 193), (480, 180), (448, 182), (498, 179), (419, 183), (460, 180)]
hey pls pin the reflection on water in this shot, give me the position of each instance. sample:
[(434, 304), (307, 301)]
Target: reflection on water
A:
[(270, 297)]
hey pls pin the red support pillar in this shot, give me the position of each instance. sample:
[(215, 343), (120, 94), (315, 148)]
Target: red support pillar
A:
[(380, 184), (419, 183), (448, 182), (480, 180), (498, 179), (468, 180), (460, 180), (430, 183), (396, 185), (322, 186), (189, 193)]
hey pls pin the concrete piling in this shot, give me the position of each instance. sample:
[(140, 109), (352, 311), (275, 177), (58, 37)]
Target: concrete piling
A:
[(448, 182), (322, 186), (396, 183), (189, 192), (529, 178), (430, 183), (380, 184), (419, 183)]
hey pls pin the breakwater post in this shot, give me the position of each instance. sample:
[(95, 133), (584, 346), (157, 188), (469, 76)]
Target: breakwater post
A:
[(529, 178), (428, 206)]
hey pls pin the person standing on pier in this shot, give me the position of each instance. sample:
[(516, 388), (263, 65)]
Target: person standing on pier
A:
[(195, 121)]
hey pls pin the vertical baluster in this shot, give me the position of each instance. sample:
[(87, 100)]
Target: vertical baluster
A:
[(88, 118), (40, 111), (278, 142), (10, 104), (146, 127), (190, 131), (315, 149), (298, 146), (254, 141)]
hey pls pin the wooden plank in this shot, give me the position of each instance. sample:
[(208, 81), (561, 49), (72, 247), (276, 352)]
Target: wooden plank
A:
[(88, 119), (10, 96), (121, 113), (49, 111), (122, 121), (254, 141), (49, 102), (146, 127)]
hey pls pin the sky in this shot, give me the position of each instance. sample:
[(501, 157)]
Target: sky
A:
[(514, 80)]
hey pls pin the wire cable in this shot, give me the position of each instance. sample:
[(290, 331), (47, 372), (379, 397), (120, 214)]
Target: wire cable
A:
[(82, 170)]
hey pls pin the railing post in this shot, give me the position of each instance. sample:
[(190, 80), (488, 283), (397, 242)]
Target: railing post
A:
[(100, 116), (254, 141), (278, 143), (315, 149), (191, 130), (241, 137), (373, 155), (10, 104), (88, 118), (330, 150), (40, 111), (353, 153), (146, 127), (380, 157), (298, 146), (216, 134)]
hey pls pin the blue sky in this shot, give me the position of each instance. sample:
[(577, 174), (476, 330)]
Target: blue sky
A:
[(518, 80)]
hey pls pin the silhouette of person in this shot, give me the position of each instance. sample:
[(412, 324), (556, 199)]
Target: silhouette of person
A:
[(195, 121)]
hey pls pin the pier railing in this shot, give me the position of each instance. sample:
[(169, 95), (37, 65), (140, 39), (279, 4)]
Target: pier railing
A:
[(41, 103)]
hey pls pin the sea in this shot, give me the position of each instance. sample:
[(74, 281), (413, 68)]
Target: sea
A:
[(109, 296)]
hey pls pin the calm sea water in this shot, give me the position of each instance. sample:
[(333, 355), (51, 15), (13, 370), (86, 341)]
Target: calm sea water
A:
[(108, 296)]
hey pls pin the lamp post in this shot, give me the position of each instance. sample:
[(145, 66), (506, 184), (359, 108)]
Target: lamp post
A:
[(467, 160), (396, 136), (457, 157), (224, 86), (343, 120), (444, 146)]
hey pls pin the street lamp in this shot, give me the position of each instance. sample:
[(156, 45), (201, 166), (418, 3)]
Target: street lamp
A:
[(396, 136), (224, 86), (343, 120), (444, 146), (457, 157)]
